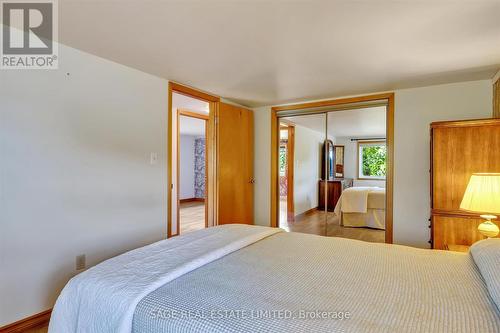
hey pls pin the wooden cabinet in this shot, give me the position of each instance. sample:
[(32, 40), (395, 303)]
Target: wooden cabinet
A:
[(335, 188), (459, 149)]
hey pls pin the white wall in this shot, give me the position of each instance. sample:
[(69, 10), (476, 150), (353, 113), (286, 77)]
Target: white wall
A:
[(415, 109), (307, 171), (186, 177), (350, 159), (370, 182), (262, 165), (75, 173)]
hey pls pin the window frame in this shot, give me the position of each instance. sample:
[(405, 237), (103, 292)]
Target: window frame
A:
[(359, 169)]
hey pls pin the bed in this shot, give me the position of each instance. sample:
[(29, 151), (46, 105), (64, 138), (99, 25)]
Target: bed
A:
[(362, 207), (240, 278)]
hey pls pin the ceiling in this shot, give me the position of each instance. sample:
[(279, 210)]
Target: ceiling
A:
[(369, 122), (270, 52)]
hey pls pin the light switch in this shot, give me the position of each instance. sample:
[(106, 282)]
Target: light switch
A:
[(153, 158)]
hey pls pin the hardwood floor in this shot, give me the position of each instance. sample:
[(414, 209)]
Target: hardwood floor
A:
[(314, 223), (192, 216)]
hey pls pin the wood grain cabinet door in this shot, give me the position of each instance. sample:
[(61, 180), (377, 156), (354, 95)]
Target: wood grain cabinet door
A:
[(235, 165), (459, 149), (458, 152)]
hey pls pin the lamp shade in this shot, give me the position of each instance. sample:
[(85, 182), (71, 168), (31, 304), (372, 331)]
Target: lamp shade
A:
[(482, 194)]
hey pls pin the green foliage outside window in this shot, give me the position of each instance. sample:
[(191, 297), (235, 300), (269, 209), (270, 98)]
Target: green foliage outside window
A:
[(373, 161), (282, 161)]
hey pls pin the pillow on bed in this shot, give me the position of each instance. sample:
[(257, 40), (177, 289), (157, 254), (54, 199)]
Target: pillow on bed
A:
[(486, 255)]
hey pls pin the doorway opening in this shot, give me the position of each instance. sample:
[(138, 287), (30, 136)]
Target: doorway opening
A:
[(192, 125), (229, 159), (286, 174), (191, 159)]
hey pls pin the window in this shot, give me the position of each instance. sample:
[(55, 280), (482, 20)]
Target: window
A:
[(372, 159)]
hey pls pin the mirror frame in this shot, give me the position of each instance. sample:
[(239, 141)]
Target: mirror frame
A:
[(335, 161)]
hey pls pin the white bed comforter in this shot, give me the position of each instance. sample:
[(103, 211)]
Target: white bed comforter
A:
[(385, 288), (355, 199), (103, 299)]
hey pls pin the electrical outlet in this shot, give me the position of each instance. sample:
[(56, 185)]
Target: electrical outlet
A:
[(80, 262)]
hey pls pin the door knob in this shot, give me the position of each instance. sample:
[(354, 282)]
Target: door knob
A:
[(252, 181)]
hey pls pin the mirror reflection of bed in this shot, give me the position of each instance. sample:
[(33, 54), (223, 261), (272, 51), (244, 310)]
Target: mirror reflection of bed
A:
[(332, 173)]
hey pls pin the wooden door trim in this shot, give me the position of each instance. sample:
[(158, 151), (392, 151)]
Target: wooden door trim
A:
[(333, 102), (496, 96), (275, 137), (206, 173), (192, 114), (290, 151), (193, 92), (210, 145), (390, 151)]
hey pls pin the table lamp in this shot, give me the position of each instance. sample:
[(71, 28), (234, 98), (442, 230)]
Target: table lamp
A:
[(483, 196)]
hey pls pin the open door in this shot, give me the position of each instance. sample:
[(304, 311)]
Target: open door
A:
[(235, 183)]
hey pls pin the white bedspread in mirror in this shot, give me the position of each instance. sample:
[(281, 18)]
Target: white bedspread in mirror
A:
[(362, 207)]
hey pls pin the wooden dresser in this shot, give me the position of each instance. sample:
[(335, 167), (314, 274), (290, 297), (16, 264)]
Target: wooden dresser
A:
[(458, 149), (335, 188)]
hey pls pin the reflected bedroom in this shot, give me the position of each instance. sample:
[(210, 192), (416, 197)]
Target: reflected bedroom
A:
[(332, 173)]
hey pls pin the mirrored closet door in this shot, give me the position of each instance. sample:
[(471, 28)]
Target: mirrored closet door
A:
[(302, 172), (332, 172), (356, 183)]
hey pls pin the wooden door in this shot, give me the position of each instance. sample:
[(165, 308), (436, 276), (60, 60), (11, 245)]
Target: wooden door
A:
[(235, 182)]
